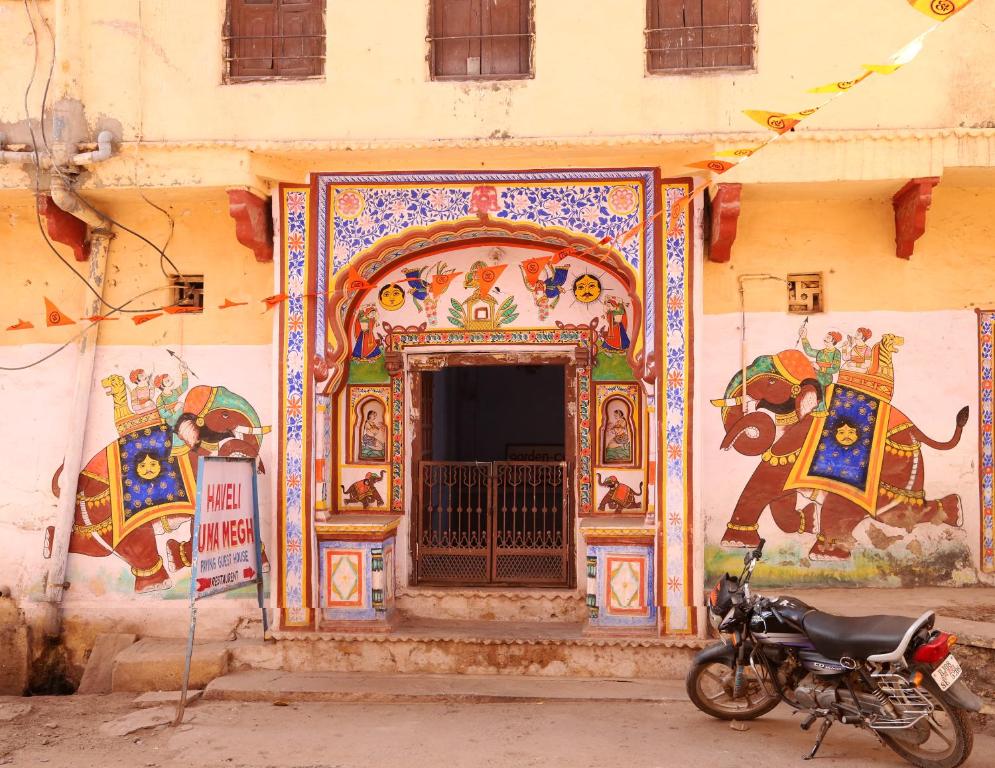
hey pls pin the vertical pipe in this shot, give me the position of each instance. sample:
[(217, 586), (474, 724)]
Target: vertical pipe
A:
[(76, 432)]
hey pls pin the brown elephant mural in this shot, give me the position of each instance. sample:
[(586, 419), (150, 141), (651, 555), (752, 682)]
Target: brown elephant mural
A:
[(831, 453), (145, 482)]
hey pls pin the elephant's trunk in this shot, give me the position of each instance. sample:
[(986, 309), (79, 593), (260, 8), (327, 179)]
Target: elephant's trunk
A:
[(750, 435)]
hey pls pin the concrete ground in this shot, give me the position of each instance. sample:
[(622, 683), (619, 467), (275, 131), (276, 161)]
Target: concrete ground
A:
[(69, 732)]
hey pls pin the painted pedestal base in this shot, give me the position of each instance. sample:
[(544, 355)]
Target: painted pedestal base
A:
[(620, 577), (356, 567)]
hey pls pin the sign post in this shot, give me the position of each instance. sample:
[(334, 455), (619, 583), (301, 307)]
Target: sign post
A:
[(227, 550)]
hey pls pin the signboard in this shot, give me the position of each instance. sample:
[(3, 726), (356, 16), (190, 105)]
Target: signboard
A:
[(226, 534), (227, 549)]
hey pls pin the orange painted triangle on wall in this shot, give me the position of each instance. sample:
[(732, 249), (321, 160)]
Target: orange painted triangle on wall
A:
[(532, 268), (21, 325), (441, 282), (488, 276), (54, 316)]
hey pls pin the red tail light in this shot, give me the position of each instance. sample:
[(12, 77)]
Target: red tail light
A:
[(936, 650)]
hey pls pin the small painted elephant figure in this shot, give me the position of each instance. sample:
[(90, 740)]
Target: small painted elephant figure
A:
[(365, 491), (619, 496)]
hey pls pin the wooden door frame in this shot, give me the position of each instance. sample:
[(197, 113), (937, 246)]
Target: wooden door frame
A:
[(417, 363)]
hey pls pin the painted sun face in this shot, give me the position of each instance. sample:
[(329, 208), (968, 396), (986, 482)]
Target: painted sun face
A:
[(846, 435), (587, 288), (148, 468), (391, 296)]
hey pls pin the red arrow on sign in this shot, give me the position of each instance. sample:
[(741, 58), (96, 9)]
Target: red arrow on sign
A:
[(203, 584), (248, 573)]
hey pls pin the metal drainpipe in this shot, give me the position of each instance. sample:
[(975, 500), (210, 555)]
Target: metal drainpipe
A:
[(86, 348)]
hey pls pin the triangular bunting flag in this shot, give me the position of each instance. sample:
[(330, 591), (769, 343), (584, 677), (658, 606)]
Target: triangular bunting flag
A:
[(229, 304), (54, 316), (716, 166), (779, 122), (840, 85), (356, 281), (272, 301), (941, 10), (21, 325), (679, 207), (98, 318), (740, 151), (441, 282), (532, 268), (487, 276), (139, 319), (177, 309), (902, 57)]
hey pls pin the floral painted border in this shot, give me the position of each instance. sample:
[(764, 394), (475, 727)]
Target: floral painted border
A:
[(294, 491), (986, 465)]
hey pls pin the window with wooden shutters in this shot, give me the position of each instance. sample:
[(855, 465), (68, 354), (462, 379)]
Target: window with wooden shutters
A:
[(480, 39), (697, 35), (274, 38)]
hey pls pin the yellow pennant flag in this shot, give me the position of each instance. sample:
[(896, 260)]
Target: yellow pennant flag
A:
[(840, 85), (739, 151), (779, 122), (941, 10), (902, 57), (716, 166)]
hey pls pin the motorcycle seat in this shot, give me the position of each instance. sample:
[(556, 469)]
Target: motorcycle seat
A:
[(856, 637)]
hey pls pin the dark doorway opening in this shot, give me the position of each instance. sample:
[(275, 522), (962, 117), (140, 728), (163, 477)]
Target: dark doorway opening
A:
[(494, 488), (497, 413)]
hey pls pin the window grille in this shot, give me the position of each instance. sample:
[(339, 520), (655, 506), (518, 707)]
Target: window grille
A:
[(188, 291), (274, 39), (700, 35), (480, 39)]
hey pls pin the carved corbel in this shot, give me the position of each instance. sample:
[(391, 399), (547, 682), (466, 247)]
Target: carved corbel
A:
[(725, 218), (253, 222), (64, 228), (911, 203)]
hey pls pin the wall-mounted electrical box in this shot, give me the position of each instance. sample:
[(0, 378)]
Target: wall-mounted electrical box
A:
[(805, 295)]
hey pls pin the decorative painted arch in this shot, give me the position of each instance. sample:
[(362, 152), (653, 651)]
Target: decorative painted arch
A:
[(419, 243)]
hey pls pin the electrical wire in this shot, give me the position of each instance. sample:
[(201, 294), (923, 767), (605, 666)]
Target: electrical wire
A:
[(161, 251), (54, 352)]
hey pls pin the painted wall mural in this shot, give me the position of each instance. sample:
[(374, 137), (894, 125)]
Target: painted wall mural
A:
[(841, 470), (136, 495)]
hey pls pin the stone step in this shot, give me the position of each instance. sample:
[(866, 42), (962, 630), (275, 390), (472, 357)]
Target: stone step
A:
[(497, 604), (279, 686), (156, 664), (474, 648)]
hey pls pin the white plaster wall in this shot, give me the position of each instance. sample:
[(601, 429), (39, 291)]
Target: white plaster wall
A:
[(936, 373)]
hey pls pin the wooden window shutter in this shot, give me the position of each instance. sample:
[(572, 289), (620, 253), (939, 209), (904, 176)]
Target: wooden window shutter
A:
[(275, 38), (480, 38), (699, 34)]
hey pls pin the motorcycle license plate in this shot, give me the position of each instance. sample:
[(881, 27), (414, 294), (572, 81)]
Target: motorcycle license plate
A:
[(947, 673)]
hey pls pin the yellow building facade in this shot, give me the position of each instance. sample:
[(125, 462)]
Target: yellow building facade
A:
[(382, 258)]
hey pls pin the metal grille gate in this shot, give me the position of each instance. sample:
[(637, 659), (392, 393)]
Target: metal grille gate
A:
[(502, 522)]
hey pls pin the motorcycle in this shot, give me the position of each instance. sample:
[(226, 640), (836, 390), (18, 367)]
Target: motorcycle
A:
[(891, 675)]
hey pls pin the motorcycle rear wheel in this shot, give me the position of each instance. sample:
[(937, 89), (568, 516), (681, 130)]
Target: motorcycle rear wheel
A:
[(710, 688), (948, 725)]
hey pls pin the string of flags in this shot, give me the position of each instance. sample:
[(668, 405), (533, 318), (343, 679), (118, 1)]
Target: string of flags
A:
[(779, 123)]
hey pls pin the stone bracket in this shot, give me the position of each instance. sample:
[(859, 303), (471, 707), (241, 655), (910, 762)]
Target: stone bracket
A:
[(911, 203), (253, 222), (64, 228), (725, 218)]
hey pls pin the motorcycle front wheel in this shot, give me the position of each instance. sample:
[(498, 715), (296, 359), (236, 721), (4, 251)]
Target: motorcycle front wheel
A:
[(711, 685), (941, 740)]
